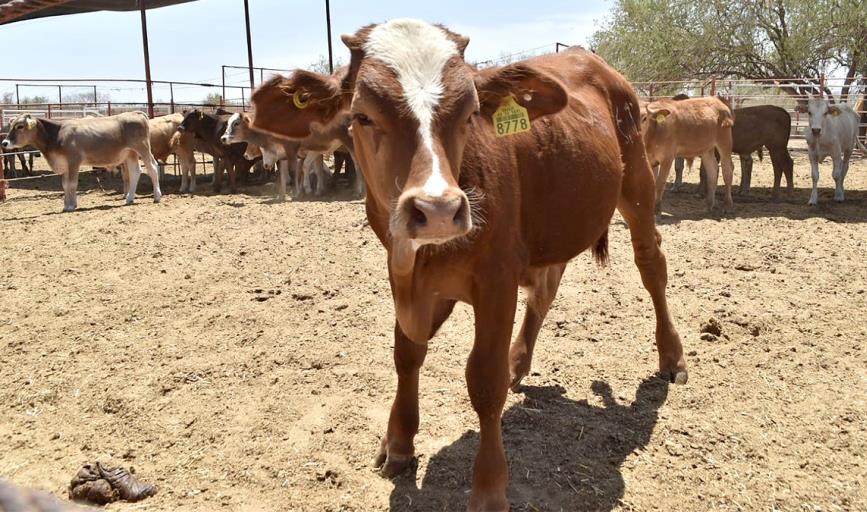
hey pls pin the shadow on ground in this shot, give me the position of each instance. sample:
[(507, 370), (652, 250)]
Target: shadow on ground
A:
[(563, 454)]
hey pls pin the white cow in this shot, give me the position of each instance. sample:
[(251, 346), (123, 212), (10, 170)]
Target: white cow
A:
[(833, 131)]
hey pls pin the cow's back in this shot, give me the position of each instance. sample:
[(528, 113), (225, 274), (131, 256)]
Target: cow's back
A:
[(104, 141), (760, 126), (569, 165)]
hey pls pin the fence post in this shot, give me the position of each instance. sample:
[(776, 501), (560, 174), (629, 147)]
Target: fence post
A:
[(109, 109), (713, 86), (49, 111), (172, 96), (822, 84), (2, 180)]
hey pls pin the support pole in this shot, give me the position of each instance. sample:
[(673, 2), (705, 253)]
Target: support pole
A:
[(147, 57), (172, 98), (328, 23), (95, 100), (249, 42), (224, 82), (17, 97), (60, 95)]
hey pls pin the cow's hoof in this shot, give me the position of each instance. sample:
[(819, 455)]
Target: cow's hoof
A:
[(391, 465), (67, 209), (675, 376), (128, 202)]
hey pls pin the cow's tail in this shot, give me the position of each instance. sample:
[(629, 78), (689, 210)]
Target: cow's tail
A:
[(600, 250), (726, 118)]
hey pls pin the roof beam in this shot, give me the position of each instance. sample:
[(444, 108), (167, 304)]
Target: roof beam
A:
[(15, 9)]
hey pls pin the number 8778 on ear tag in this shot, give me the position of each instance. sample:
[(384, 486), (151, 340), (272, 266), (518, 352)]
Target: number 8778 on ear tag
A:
[(511, 118)]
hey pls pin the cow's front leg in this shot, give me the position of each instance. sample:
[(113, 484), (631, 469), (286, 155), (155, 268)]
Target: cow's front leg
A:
[(814, 167), (678, 174), (397, 449), (218, 175), (488, 381), (70, 186), (232, 169), (838, 179)]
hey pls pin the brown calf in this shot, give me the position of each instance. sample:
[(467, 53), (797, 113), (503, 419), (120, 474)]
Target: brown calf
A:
[(689, 128), (468, 216)]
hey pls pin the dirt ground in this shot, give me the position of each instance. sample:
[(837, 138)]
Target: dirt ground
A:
[(236, 352)]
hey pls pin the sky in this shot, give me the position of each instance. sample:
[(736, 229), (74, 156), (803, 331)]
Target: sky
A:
[(190, 42)]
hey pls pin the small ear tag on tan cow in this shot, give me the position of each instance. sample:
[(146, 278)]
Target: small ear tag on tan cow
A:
[(511, 118), (660, 118), (835, 113), (301, 102)]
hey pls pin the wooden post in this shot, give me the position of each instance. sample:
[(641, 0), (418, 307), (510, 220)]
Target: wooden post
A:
[(172, 97), (713, 86)]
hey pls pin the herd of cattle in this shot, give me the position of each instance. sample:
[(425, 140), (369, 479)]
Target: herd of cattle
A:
[(478, 182), (673, 130)]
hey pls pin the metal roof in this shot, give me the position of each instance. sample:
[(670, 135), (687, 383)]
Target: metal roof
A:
[(20, 10)]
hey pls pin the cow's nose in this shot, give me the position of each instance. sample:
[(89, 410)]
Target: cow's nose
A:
[(817, 131), (224, 139), (181, 129), (436, 218), (5, 143)]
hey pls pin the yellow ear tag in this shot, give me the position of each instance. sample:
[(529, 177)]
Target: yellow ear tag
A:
[(660, 118), (299, 102), (835, 113), (511, 118)]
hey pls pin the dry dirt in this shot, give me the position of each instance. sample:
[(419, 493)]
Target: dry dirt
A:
[(237, 353)]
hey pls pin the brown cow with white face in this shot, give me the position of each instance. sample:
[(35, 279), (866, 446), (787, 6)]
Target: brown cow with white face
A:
[(468, 216)]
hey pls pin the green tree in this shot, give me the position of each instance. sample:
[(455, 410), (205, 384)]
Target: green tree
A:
[(655, 40), (321, 65), (213, 99)]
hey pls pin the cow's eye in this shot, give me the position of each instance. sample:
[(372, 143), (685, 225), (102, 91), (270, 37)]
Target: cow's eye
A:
[(362, 119), (19, 127)]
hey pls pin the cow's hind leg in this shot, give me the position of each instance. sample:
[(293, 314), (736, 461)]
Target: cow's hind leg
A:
[(712, 170), (541, 289), (650, 259), (134, 170), (397, 448), (747, 175), (70, 187)]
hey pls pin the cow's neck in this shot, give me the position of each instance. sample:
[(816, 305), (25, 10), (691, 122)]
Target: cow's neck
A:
[(47, 135)]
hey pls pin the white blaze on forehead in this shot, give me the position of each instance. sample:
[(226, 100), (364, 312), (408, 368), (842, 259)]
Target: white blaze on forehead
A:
[(417, 52), (230, 127)]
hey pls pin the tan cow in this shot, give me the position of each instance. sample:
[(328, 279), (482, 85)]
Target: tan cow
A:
[(98, 141), (167, 140), (689, 128)]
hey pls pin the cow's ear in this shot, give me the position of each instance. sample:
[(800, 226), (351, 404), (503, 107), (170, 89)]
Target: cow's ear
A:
[(539, 93), (29, 122), (287, 106), (658, 115)]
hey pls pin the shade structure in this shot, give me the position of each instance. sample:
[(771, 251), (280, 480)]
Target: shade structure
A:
[(20, 10)]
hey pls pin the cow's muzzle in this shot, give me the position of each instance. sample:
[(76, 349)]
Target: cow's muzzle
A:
[(817, 131), (433, 219), (6, 144)]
